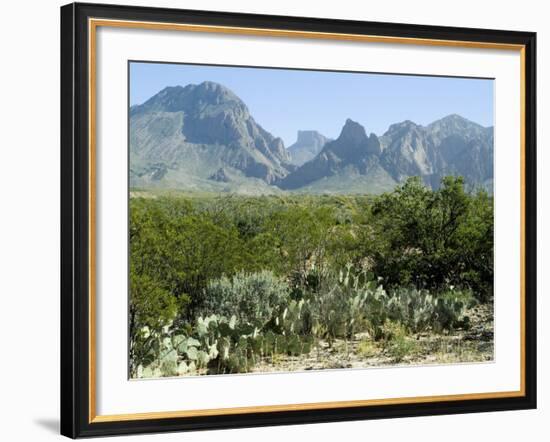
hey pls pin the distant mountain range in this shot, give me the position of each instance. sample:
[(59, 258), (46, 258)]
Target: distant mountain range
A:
[(307, 146), (202, 137)]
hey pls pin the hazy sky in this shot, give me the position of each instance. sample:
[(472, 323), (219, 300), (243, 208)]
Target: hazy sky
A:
[(285, 101)]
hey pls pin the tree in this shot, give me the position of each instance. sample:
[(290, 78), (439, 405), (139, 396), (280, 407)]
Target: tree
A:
[(431, 239), (300, 236)]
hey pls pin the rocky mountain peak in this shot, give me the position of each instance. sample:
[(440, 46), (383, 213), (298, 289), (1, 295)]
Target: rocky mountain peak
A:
[(352, 132), (453, 124), (352, 151), (169, 99), (191, 99), (453, 119), (309, 137), (206, 120), (353, 142), (216, 94), (401, 127), (308, 144)]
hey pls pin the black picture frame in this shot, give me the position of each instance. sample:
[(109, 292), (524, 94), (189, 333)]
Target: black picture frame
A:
[(75, 221)]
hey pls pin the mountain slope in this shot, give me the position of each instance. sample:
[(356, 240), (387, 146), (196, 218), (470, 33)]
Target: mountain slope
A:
[(352, 150), (187, 133), (450, 146)]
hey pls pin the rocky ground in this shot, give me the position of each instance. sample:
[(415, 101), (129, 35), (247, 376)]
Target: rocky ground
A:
[(474, 344)]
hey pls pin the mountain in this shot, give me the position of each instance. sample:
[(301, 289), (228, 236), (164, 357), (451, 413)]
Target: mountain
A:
[(184, 136), (353, 153), (355, 162), (202, 137), (452, 145), (308, 144)]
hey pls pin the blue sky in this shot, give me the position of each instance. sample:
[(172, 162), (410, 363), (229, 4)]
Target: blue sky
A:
[(285, 101)]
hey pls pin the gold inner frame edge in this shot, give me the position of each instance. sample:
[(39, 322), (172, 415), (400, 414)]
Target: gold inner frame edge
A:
[(93, 24)]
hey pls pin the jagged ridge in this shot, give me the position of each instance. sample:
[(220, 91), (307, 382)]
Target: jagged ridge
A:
[(198, 134), (450, 146)]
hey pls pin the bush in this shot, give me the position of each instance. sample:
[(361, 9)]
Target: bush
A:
[(397, 342), (253, 297), (432, 239), (367, 348)]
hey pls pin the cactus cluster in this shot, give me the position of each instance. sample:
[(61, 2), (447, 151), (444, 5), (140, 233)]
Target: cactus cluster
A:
[(353, 303), (419, 310), (221, 345)]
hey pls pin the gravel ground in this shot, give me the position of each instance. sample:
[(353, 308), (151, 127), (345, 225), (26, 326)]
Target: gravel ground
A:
[(459, 346)]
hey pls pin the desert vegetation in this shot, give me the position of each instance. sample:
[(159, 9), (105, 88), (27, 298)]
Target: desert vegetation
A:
[(236, 284)]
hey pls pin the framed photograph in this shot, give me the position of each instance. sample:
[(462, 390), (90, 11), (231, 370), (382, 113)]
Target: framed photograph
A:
[(274, 220)]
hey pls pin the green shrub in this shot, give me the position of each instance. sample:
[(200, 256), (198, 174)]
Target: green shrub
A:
[(397, 341), (430, 239), (367, 348), (253, 297)]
